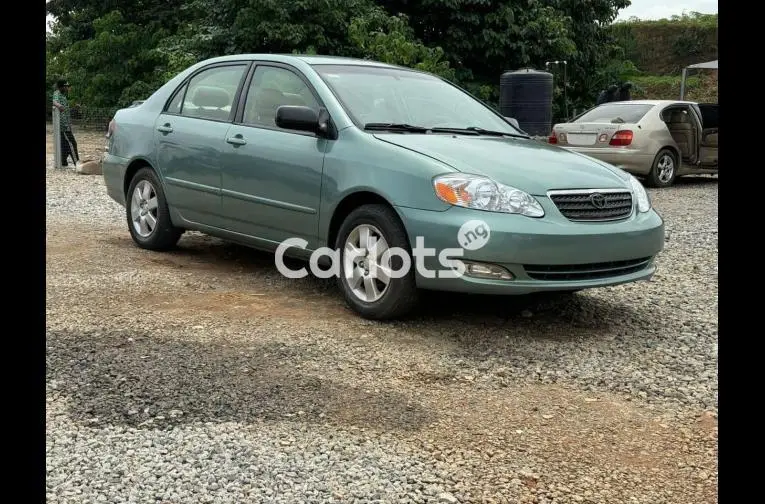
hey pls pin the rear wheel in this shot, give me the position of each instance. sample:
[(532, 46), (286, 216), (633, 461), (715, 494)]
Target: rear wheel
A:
[(664, 169), (366, 278), (147, 215)]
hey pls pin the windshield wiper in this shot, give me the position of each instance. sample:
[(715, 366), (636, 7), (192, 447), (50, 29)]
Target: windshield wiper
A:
[(395, 127), (410, 128), (478, 131), (496, 133)]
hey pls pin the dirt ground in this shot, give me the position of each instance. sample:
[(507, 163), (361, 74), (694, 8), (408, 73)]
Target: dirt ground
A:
[(443, 384)]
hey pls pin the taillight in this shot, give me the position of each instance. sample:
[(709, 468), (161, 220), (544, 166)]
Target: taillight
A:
[(552, 139), (621, 138), (110, 134)]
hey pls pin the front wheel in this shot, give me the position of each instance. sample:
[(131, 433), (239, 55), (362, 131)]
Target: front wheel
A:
[(148, 217), (664, 169), (374, 279)]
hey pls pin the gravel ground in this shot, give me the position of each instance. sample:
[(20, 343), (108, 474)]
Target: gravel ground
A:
[(202, 375)]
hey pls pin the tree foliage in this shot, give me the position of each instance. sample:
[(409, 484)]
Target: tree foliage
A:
[(116, 51), (390, 39)]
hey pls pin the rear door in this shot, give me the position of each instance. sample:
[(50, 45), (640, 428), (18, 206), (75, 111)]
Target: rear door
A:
[(710, 125), (190, 134)]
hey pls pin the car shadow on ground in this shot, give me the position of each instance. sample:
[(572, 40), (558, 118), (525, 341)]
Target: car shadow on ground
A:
[(572, 309), (550, 315), (695, 180), (142, 380), (577, 310)]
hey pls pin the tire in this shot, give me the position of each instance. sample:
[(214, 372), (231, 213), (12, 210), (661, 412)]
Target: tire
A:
[(665, 160), (400, 296), (163, 235)]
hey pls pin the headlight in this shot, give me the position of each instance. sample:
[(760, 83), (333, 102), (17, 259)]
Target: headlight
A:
[(481, 193), (643, 201)]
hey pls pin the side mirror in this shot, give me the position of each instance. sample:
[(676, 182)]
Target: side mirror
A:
[(301, 118), (514, 122)]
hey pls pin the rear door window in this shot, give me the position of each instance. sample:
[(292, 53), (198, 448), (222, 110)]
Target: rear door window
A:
[(211, 93)]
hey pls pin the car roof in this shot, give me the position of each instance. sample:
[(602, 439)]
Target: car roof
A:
[(311, 59), (653, 102)]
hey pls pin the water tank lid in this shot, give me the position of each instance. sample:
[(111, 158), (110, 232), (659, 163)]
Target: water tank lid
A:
[(526, 70)]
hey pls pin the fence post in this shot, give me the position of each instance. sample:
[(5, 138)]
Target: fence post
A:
[(56, 139)]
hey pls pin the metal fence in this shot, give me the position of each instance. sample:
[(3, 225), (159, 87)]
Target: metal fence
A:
[(90, 118), (86, 139)]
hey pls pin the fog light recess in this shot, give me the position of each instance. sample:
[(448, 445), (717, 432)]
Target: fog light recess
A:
[(487, 270)]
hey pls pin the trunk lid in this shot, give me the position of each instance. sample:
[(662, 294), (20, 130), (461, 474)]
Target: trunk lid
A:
[(589, 134)]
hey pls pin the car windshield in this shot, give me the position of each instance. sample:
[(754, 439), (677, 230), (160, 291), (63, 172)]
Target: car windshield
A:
[(618, 112), (376, 95)]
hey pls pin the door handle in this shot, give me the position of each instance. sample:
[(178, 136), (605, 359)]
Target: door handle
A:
[(236, 140), (165, 128)]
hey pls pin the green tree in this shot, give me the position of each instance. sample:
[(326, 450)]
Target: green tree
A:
[(107, 48), (117, 51), (117, 65), (356, 28), (272, 26), (390, 39), (484, 38)]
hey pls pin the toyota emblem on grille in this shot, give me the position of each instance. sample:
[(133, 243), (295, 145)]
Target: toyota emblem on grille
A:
[(598, 201)]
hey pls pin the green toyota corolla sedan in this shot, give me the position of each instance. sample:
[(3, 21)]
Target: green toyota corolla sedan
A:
[(389, 179)]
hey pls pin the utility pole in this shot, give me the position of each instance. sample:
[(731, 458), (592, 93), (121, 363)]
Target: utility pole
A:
[(558, 64)]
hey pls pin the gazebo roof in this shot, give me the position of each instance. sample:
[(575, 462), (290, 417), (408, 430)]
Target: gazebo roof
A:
[(708, 64)]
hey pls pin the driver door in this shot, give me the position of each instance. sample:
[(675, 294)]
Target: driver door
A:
[(271, 179)]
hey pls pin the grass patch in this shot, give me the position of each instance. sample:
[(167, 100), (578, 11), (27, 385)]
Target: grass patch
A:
[(701, 88)]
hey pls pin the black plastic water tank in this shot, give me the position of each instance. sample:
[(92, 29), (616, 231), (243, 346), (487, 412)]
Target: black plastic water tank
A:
[(527, 96)]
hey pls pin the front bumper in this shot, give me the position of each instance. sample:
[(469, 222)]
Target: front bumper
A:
[(547, 254)]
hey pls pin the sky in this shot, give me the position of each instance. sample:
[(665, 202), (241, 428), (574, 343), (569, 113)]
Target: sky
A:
[(644, 9), (658, 9)]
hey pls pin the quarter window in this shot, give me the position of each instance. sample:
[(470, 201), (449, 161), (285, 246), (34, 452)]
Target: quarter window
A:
[(175, 104)]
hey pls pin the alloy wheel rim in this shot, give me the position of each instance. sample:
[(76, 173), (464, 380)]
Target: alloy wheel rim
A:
[(366, 266), (666, 168), (144, 209)]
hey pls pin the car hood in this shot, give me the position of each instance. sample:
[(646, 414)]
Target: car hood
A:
[(529, 165)]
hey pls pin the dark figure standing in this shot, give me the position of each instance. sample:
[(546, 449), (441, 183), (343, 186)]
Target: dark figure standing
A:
[(612, 93), (68, 142), (625, 92), (602, 97)]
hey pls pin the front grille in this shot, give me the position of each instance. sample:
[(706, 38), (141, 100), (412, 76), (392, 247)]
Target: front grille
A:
[(570, 272), (593, 206)]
